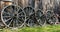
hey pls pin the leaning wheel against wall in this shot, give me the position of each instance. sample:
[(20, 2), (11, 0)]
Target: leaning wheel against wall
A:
[(50, 16), (30, 16), (40, 17), (13, 16)]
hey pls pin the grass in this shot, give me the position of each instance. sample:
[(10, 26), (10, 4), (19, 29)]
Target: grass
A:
[(47, 28)]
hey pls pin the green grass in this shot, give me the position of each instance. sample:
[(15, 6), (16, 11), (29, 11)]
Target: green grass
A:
[(47, 28)]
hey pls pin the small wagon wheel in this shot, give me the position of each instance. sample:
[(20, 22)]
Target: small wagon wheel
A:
[(13, 16), (29, 11), (50, 16), (40, 17)]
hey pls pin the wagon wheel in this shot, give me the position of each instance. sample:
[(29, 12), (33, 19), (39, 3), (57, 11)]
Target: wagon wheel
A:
[(13, 16), (29, 11), (51, 17), (40, 17)]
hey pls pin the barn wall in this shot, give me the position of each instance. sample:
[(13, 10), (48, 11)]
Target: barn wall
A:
[(37, 4), (48, 5), (23, 3)]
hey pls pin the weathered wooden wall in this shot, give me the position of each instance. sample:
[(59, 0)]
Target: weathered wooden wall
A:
[(37, 4)]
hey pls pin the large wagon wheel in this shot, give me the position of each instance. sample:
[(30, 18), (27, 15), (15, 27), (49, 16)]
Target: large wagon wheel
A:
[(50, 16), (40, 17), (13, 16), (29, 11)]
